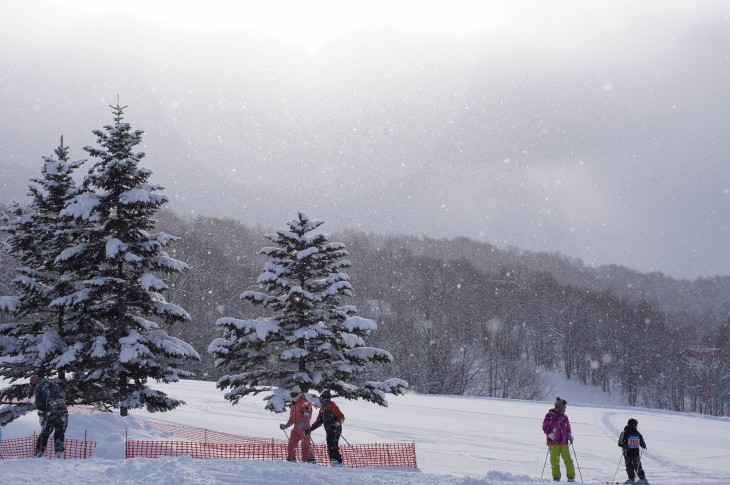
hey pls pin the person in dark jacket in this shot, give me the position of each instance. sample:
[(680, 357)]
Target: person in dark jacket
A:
[(332, 418), (556, 427), (630, 440), (50, 401)]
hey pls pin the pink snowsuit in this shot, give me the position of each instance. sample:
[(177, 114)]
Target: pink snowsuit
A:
[(299, 415)]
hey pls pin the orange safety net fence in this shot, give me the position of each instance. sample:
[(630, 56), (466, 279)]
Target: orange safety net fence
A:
[(14, 448), (209, 444), (359, 455)]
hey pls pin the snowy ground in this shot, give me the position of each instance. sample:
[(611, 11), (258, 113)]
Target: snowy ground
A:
[(459, 440)]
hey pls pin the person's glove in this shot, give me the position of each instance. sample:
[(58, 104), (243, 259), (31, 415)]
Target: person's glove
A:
[(283, 426), (570, 438), (307, 431), (41, 418), (551, 436)]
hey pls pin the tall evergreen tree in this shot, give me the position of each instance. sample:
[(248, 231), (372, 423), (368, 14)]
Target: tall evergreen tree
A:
[(311, 338), (120, 346), (38, 341)]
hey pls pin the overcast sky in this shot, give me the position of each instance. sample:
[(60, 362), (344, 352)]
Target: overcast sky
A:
[(597, 129)]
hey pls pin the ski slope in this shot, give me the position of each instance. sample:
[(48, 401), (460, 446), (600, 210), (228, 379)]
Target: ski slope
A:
[(459, 440)]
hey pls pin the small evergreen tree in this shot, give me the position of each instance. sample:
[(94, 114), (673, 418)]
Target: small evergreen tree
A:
[(38, 342), (119, 347), (311, 339)]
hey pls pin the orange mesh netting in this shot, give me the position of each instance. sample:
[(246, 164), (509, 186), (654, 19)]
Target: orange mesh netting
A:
[(209, 444), (360, 455), (205, 443), (25, 448)]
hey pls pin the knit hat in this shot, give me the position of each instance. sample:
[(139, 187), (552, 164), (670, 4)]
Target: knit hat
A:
[(560, 403), (326, 395), (632, 423)]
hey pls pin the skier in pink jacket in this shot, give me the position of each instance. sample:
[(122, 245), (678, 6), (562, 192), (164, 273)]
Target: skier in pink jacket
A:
[(556, 427), (300, 416)]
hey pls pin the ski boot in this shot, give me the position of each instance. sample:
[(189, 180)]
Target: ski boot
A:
[(58, 454)]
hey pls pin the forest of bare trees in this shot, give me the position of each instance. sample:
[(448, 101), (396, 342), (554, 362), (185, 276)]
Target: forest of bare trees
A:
[(462, 317)]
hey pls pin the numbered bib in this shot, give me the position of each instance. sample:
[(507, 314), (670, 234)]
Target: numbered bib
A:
[(633, 441)]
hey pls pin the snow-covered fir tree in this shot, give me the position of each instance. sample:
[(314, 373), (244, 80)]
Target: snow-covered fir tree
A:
[(311, 339), (119, 345), (38, 340)]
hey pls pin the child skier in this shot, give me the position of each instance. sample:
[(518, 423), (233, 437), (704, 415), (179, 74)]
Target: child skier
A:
[(630, 440), (332, 418)]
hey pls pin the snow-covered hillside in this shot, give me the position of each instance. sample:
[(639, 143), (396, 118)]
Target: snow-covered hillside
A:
[(459, 440)]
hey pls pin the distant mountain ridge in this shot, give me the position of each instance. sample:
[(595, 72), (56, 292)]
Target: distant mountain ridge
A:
[(706, 297)]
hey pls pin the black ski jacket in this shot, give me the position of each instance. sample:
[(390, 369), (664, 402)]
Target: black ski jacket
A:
[(50, 398), (628, 439)]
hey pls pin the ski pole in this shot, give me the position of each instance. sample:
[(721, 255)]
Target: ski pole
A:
[(354, 455), (576, 462), (286, 434), (543, 465), (311, 441), (619, 466), (638, 464)]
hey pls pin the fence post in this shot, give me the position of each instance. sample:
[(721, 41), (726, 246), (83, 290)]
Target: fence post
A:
[(85, 431), (126, 438)]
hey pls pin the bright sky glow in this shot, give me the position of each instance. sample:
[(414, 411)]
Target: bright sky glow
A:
[(402, 113), (308, 23)]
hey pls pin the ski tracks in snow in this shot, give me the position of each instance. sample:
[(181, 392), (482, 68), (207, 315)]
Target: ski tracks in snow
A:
[(659, 469)]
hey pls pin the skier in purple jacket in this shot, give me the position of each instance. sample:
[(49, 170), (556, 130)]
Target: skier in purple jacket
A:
[(556, 427)]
